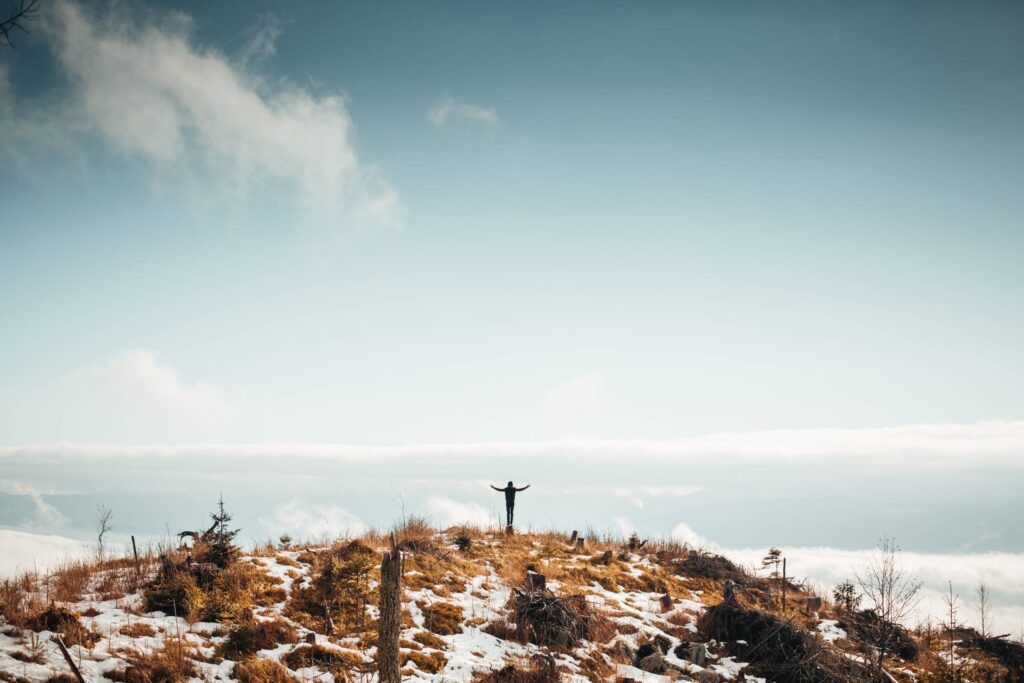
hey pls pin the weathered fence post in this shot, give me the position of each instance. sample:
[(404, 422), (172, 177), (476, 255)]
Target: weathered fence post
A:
[(783, 585), (388, 664), (69, 660), (135, 551)]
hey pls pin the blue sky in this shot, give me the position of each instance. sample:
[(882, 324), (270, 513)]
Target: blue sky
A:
[(774, 215), (672, 253)]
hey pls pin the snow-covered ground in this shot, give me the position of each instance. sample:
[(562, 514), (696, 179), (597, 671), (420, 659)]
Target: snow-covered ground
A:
[(124, 631)]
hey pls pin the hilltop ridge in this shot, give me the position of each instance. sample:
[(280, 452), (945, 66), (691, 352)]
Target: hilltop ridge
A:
[(477, 605)]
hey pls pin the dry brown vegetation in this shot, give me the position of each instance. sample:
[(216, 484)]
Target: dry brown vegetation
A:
[(442, 618), (256, 670), (535, 670), (335, 586), (251, 635), (172, 662)]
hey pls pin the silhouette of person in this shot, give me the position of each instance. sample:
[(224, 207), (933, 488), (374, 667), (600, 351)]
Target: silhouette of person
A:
[(510, 498)]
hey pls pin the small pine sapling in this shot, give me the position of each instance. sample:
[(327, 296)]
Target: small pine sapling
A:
[(846, 597), (220, 542), (772, 560)]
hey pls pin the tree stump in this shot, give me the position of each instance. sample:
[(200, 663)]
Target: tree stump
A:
[(388, 662), (572, 539), (536, 581), (579, 543), (698, 654), (666, 602)]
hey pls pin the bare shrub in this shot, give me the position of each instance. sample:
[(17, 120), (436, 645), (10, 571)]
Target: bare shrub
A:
[(893, 595)]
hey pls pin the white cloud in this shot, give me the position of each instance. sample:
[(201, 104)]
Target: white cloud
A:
[(450, 108), (578, 402), (624, 525), (24, 551), (150, 91), (141, 375), (447, 512), (313, 521), (684, 534)]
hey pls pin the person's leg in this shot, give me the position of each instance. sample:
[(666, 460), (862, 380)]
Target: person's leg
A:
[(511, 513)]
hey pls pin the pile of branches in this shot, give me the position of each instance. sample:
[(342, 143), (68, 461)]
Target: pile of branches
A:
[(704, 565), (777, 649), (544, 618), (1009, 653), (870, 628), (539, 670)]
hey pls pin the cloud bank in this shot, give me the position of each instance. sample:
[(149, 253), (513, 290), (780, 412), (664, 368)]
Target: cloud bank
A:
[(949, 446), (313, 521), (24, 551), (1003, 573)]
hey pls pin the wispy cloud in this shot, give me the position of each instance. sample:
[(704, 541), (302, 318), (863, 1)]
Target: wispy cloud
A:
[(448, 108), (148, 89), (635, 495), (141, 375), (44, 515), (262, 41)]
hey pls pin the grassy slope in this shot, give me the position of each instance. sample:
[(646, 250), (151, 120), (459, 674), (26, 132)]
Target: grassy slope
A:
[(263, 618)]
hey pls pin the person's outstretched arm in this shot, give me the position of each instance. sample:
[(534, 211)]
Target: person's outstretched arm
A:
[(496, 488), (523, 488)]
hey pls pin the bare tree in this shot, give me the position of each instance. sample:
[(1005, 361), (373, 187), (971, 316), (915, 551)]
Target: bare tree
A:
[(984, 598), (26, 11), (893, 594), (103, 525), (951, 626)]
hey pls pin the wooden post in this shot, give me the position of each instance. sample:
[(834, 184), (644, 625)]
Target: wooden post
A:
[(69, 660), (388, 662), (783, 585), (579, 543), (572, 539), (135, 551)]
